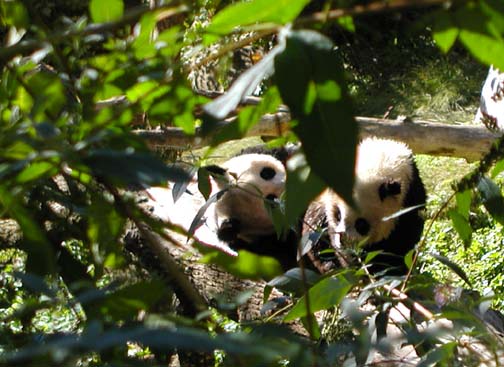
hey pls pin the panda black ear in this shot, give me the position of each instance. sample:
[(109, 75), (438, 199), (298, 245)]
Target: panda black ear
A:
[(215, 170), (390, 188)]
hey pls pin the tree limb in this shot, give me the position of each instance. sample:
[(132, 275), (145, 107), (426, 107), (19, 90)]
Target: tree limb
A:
[(423, 137)]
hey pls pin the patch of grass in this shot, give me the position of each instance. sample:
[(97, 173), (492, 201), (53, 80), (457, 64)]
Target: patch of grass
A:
[(444, 89)]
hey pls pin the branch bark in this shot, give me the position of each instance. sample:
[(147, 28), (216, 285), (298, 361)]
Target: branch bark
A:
[(423, 137)]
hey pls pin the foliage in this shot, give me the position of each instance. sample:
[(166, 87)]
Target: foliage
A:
[(70, 95)]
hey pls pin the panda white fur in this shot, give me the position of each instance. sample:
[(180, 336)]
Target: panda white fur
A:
[(239, 218), (386, 181)]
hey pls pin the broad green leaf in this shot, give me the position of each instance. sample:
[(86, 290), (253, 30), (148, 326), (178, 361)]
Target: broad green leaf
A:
[(462, 226), (35, 171), (464, 203), (106, 10), (126, 167), (143, 44), (14, 14), (292, 281), (498, 168), (301, 188), (327, 293), (250, 12), (492, 198), (318, 99), (494, 9), (480, 36), (105, 225), (347, 23), (445, 32), (246, 266)]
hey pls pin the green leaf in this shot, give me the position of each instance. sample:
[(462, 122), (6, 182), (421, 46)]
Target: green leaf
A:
[(247, 13), (292, 281), (106, 10), (125, 303), (492, 198), (329, 292), (464, 203), (498, 168), (246, 266), (445, 32), (318, 99), (454, 267), (35, 171), (480, 36), (105, 225), (301, 188), (127, 167), (14, 14), (462, 226)]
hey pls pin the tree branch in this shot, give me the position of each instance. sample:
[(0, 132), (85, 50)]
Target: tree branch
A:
[(423, 137)]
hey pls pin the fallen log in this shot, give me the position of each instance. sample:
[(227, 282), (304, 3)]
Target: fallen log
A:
[(423, 137)]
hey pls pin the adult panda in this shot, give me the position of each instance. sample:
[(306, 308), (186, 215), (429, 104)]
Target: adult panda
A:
[(386, 181), (238, 216)]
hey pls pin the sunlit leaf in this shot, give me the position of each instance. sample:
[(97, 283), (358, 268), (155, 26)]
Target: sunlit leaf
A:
[(318, 99), (246, 13), (329, 292), (246, 265), (464, 203), (14, 14), (461, 225), (106, 10), (445, 32)]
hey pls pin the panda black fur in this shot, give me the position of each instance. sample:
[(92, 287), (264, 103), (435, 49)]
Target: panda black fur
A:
[(386, 181), (249, 182)]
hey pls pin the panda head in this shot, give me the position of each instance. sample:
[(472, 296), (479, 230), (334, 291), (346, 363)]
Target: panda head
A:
[(386, 181), (249, 181)]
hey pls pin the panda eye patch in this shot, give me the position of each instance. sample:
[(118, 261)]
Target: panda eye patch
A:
[(267, 173), (362, 226), (337, 214), (390, 188)]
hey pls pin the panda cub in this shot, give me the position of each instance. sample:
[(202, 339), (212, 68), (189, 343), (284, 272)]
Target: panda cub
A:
[(249, 183), (386, 181)]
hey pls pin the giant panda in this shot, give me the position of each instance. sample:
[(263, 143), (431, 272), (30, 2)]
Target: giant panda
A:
[(238, 217), (249, 183), (386, 181)]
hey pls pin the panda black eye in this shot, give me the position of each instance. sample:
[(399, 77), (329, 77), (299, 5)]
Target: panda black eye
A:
[(337, 214), (267, 173), (362, 226), (390, 188)]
